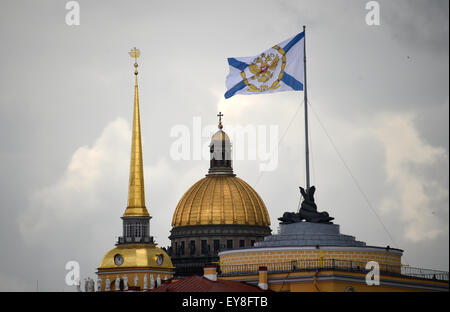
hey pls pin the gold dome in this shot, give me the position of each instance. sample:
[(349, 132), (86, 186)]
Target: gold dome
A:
[(136, 256), (220, 136), (221, 199)]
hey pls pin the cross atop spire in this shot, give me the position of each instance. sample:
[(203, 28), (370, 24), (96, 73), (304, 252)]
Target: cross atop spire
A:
[(135, 53), (220, 115)]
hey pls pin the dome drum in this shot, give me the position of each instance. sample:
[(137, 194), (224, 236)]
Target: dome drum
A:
[(204, 240), (194, 246)]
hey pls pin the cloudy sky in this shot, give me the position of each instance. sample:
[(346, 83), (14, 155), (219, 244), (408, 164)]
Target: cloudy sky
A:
[(379, 94)]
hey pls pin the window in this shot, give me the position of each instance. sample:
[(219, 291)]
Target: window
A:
[(252, 242), (241, 243), (204, 247), (177, 252), (216, 246), (182, 248), (192, 247), (229, 244)]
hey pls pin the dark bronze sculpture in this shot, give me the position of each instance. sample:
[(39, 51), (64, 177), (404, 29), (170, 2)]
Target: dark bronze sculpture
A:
[(308, 210)]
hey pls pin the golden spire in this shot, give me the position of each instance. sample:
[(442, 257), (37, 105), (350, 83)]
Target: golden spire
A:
[(136, 197)]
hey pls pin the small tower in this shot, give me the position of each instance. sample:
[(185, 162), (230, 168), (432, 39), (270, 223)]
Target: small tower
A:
[(220, 151), (135, 252), (136, 219)]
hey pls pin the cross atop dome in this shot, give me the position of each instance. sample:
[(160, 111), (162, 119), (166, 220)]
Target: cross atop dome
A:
[(220, 115)]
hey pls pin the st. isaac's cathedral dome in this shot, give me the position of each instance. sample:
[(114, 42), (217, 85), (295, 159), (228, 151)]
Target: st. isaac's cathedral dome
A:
[(220, 199), (219, 212)]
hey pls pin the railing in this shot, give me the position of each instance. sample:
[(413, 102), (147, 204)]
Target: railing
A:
[(425, 273), (332, 264), (132, 240), (189, 268)]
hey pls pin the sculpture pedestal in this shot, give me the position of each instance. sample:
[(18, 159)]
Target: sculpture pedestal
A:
[(309, 234), (309, 228)]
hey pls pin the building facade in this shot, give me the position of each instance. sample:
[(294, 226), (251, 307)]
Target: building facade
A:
[(317, 257)]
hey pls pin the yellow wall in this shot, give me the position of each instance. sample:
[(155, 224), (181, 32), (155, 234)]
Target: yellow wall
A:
[(286, 255), (336, 281), (336, 285)]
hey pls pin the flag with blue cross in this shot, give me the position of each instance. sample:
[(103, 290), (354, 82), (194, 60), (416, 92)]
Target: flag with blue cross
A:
[(280, 68)]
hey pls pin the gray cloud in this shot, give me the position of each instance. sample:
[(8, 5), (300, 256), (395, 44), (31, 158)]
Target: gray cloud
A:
[(65, 89)]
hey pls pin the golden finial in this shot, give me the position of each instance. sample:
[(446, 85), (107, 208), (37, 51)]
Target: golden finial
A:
[(220, 120), (135, 53)]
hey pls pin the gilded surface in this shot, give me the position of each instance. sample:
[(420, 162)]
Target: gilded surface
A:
[(136, 256), (221, 199), (136, 197), (220, 136)]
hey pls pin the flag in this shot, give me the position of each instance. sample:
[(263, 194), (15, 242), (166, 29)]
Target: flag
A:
[(279, 68)]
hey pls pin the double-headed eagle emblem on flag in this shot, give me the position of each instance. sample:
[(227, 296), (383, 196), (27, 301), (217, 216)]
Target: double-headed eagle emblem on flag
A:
[(263, 66), (277, 69), (263, 69)]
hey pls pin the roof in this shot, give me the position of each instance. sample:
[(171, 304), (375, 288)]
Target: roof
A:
[(202, 284), (221, 199), (220, 136), (136, 256)]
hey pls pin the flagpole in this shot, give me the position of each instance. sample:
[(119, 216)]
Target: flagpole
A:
[(305, 93)]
